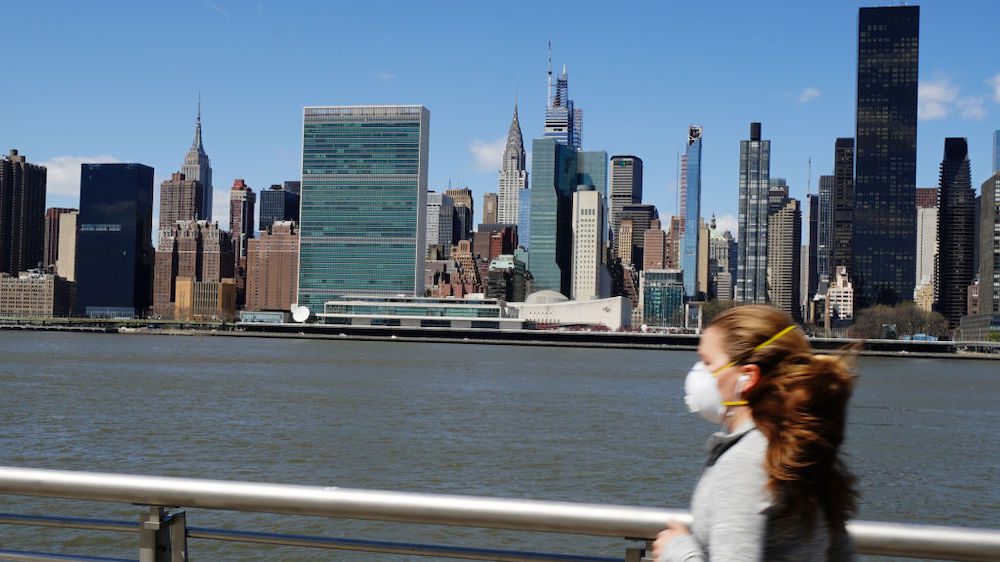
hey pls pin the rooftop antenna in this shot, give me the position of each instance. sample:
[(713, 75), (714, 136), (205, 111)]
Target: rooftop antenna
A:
[(548, 91), (810, 180)]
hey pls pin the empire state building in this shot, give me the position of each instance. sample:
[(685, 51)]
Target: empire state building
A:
[(198, 167)]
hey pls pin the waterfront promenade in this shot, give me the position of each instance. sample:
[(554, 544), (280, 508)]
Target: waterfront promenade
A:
[(555, 338)]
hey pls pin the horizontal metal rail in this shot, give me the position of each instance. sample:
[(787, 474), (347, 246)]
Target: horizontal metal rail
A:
[(887, 539), (21, 556)]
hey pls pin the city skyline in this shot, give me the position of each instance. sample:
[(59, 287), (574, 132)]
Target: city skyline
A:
[(812, 91)]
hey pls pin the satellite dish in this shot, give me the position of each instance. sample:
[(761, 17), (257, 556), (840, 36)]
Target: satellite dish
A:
[(300, 313)]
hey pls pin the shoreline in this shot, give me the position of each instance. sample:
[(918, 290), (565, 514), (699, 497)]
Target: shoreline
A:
[(534, 338)]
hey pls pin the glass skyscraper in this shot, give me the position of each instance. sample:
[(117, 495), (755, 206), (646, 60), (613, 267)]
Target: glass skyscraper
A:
[(363, 199), (626, 187), (755, 184), (114, 249), (551, 230), (692, 213), (884, 237), (824, 223), (558, 170), (278, 204)]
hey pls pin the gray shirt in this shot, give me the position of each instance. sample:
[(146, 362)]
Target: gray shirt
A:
[(731, 519)]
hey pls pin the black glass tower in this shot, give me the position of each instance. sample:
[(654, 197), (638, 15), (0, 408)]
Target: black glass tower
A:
[(114, 271), (956, 232), (278, 204), (885, 218), (842, 201)]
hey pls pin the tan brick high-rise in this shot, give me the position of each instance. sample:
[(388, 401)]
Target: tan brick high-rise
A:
[(191, 249), (272, 268)]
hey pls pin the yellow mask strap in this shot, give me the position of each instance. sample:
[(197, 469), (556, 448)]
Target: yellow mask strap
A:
[(768, 342)]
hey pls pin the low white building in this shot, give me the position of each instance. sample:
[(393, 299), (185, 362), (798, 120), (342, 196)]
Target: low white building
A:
[(553, 308), (422, 312)]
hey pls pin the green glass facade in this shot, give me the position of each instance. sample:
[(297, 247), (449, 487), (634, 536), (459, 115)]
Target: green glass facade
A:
[(557, 170), (364, 189)]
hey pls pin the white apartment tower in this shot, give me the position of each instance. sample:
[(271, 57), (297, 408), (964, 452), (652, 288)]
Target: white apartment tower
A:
[(589, 224)]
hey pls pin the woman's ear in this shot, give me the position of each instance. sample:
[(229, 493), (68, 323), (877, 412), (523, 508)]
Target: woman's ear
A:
[(752, 377)]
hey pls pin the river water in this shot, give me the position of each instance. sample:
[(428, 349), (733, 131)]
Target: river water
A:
[(604, 426)]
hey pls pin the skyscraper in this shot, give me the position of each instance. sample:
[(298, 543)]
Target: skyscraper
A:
[(842, 233), (490, 208), (642, 216), (777, 195), (563, 121), (626, 186), (440, 221), (558, 171), (279, 203), (66, 253), (242, 202), (194, 250), (624, 243), (989, 246), (114, 271), (553, 165), (812, 249), (524, 217), (589, 272), (465, 212), (513, 175), (22, 214), (692, 212), (180, 200), (197, 167), (956, 231), (364, 195), (721, 248), (884, 229), (272, 267), (52, 233), (654, 250), (755, 176), (824, 225), (784, 262), (927, 231)]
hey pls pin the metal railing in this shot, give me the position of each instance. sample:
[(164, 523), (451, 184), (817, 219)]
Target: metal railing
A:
[(638, 523)]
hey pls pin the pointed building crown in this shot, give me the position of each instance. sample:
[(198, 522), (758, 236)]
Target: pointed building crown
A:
[(513, 154)]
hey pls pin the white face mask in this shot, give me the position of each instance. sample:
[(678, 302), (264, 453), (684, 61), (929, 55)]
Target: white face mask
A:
[(701, 394)]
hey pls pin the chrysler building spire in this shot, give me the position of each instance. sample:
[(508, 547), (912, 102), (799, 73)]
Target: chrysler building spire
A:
[(513, 174)]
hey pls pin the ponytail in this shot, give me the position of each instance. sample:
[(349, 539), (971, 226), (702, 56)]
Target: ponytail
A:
[(800, 406)]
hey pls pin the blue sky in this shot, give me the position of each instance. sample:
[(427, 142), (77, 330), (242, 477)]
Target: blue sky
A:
[(119, 81)]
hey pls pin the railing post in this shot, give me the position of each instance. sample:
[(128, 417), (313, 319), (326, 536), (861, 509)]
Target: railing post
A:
[(638, 554), (162, 536)]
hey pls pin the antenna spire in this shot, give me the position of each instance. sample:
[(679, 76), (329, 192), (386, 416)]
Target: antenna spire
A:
[(548, 91), (810, 180)]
